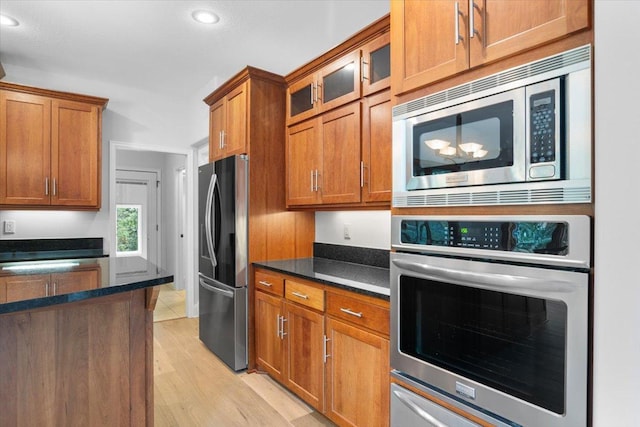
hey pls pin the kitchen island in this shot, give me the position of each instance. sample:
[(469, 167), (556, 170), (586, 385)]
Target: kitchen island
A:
[(76, 341)]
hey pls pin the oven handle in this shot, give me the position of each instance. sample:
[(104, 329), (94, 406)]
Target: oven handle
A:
[(430, 419), (489, 280)]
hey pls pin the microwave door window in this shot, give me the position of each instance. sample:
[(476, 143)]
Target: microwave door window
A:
[(473, 140)]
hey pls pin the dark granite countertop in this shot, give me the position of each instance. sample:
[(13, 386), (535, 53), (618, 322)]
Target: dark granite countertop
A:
[(113, 274), (360, 278)]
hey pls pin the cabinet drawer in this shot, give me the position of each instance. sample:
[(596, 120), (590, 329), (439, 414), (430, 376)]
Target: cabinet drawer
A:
[(304, 294), (269, 282), (358, 312)]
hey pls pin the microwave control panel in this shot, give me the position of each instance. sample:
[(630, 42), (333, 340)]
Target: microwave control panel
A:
[(543, 127)]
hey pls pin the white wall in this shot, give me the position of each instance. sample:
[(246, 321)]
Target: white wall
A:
[(617, 235), (368, 229)]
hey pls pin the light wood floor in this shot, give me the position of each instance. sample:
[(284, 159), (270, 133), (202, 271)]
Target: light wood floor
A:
[(170, 304), (193, 388)]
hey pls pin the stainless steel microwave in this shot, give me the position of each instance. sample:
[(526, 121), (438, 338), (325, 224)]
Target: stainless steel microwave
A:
[(518, 137)]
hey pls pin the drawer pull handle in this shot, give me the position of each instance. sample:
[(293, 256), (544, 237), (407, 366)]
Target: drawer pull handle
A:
[(263, 283), (353, 313), (299, 295)]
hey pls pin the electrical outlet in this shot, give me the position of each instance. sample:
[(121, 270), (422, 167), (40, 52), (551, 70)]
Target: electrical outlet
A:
[(347, 232), (9, 226)]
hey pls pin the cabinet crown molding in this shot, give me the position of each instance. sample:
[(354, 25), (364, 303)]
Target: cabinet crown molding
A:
[(15, 87), (247, 73)]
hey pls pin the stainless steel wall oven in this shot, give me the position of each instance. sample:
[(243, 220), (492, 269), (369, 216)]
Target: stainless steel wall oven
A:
[(493, 312)]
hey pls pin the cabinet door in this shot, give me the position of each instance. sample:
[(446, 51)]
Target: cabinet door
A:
[(305, 365), (216, 127), (339, 82), (235, 133), (375, 73), (503, 28), (26, 287), (357, 387), (304, 152), (426, 45), (25, 149), (269, 343), (376, 148), (75, 281), (75, 154), (339, 181), (302, 99)]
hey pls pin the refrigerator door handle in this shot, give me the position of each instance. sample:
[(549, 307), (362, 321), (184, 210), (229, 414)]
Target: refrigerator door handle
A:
[(208, 219), (213, 288)]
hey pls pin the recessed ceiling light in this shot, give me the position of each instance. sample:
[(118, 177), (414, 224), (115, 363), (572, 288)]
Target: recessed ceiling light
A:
[(205, 17), (8, 21)]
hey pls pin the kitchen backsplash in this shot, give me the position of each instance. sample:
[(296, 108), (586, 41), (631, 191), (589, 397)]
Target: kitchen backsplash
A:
[(353, 254)]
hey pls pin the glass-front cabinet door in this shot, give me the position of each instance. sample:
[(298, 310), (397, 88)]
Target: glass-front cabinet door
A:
[(302, 99), (339, 82), (376, 65)]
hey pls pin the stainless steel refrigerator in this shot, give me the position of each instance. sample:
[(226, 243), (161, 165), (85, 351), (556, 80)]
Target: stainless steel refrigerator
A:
[(223, 250)]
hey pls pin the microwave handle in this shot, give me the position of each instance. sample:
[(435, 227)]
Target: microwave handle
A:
[(489, 280), (430, 419)]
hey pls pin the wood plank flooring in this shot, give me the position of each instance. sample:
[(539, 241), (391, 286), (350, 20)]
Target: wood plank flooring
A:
[(193, 388), (170, 304)]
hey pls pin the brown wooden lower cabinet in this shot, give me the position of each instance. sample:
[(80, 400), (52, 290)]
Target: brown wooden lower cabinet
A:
[(25, 287), (87, 363), (330, 347), (357, 376)]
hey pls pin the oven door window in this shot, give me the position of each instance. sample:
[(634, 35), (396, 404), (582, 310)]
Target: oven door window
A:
[(477, 139), (512, 343)]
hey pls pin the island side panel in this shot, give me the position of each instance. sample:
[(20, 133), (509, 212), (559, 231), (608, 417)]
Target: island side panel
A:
[(82, 363)]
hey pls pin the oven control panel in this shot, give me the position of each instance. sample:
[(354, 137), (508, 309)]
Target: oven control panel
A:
[(542, 237)]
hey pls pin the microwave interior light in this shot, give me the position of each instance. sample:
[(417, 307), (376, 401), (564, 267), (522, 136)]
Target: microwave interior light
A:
[(479, 154), (45, 266), (470, 147), (448, 151), (437, 144)]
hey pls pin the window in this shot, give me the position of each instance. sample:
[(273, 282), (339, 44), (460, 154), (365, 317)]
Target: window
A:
[(128, 227)]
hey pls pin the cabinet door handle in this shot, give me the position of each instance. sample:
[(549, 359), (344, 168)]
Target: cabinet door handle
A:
[(361, 174), (55, 187), (282, 332), (457, 22), (46, 186), (352, 313), (299, 295), (317, 186), (325, 351), (278, 326), (55, 288), (363, 74), (265, 283), (472, 29), (46, 289)]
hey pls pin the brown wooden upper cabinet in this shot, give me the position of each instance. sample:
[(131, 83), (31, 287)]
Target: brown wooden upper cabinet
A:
[(228, 124), (339, 125), (436, 39), (362, 71), (50, 148)]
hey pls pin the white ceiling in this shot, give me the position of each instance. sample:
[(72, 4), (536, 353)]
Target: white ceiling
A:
[(154, 45)]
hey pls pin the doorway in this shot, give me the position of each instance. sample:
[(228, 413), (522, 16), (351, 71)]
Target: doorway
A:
[(175, 211)]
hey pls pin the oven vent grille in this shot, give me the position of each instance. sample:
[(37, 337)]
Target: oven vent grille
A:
[(522, 72), (499, 197)]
